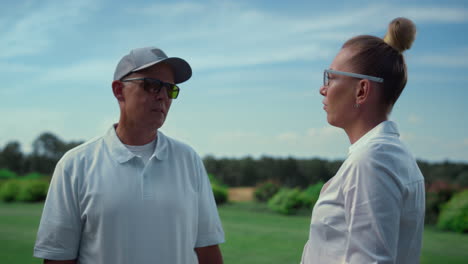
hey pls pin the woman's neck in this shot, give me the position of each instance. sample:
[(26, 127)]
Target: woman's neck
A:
[(360, 127)]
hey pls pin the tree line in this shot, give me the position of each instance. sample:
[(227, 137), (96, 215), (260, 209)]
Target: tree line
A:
[(48, 148), (293, 172)]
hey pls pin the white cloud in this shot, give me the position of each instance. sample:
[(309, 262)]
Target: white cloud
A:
[(30, 121), (235, 35), (450, 58), (436, 14), (34, 32), (17, 68), (407, 137), (414, 119), (288, 137), (331, 131), (90, 70), (168, 9), (25, 125), (436, 76)]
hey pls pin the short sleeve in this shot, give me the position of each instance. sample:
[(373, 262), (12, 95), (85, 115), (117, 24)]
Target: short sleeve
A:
[(372, 201), (210, 231), (59, 231)]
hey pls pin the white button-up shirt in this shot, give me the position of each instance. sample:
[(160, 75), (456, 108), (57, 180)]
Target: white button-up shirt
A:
[(372, 210), (105, 206)]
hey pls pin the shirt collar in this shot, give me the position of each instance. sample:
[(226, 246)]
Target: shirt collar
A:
[(122, 154), (386, 127), (160, 152)]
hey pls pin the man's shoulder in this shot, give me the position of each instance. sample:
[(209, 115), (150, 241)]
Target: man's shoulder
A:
[(84, 150), (177, 145)]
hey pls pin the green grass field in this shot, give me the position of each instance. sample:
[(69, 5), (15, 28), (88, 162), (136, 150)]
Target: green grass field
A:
[(254, 235)]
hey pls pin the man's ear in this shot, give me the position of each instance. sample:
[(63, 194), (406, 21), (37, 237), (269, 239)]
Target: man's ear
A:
[(117, 89), (363, 91)]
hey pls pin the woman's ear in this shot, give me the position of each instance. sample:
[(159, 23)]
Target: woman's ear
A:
[(117, 89), (363, 91)]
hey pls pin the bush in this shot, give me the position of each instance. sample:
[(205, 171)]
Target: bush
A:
[(32, 191), (220, 194), (286, 201), (310, 195), (6, 174), (220, 191), (33, 176), (265, 191), (433, 203), (454, 214), (437, 194), (214, 180), (9, 190)]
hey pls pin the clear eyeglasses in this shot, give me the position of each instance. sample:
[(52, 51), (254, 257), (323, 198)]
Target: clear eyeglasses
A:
[(350, 74)]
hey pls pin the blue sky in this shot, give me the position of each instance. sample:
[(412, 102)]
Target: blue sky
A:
[(257, 67)]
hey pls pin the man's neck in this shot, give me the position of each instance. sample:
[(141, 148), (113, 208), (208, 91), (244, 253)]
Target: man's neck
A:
[(135, 136)]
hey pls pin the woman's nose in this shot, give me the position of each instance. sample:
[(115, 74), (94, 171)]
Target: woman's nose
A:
[(323, 90)]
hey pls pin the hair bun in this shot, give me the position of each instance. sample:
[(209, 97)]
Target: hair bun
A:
[(400, 34)]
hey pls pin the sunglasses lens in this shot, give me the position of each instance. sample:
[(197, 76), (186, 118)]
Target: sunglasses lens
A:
[(152, 86), (173, 91)]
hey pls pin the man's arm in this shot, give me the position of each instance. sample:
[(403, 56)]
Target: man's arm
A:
[(48, 261), (208, 255)]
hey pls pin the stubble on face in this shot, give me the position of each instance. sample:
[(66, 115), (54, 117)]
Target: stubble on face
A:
[(144, 110)]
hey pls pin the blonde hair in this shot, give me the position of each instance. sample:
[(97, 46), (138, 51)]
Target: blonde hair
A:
[(400, 34), (383, 57)]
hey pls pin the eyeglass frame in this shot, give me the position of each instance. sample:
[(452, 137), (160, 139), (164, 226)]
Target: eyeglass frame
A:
[(169, 86), (349, 74)]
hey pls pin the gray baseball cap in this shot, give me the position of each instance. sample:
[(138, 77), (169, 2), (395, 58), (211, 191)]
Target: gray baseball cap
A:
[(142, 58)]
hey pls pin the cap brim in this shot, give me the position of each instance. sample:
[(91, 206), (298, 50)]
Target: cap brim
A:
[(181, 68)]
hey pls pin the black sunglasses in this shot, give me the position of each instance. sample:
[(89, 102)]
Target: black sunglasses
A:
[(153, 86)]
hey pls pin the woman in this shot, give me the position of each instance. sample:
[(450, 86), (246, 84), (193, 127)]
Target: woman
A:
[(372, 210)]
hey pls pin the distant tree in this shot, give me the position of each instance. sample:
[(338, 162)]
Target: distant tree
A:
[(47, 150), (267, 169), (289, 173), (48, 145), (249, 171), (333, 167), (462, 179), (11, 157), (314, 170), (211, 164)]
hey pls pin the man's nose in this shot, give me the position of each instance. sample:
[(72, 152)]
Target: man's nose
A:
[(162, 94)]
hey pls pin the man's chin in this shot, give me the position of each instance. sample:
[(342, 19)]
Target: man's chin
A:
[(158, 124)]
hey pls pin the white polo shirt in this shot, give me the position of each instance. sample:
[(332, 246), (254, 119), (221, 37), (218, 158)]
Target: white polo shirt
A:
[(105, 206), (372, 210)]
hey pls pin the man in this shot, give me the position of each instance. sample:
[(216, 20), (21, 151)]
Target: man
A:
[(133, 195)]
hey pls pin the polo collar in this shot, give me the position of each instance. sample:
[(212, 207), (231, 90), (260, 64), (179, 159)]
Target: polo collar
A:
[(386, 127), (160, 152), (121, 153)]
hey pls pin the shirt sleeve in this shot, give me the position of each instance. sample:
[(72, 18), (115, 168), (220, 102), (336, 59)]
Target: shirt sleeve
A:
[(59, 231), (210, 231), (372, 201)]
